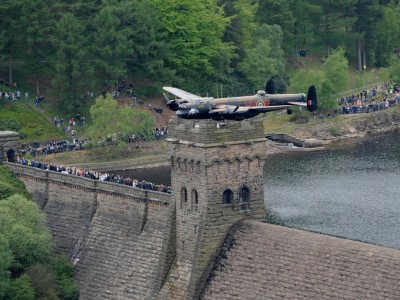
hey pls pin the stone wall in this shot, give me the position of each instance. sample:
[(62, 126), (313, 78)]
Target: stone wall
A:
[(208, 158), (121, 239), (9, 145), (210, 131), (265, 261)]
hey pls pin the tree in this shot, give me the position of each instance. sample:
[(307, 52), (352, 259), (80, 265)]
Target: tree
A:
[(305, 13), (194, 31), (334, 22), (9, 184), (112, 42), (393, 72), (388, 36), (36, 22), (5, 264), (368, 12), (63, 272), (336, 75), (23, 225), (108, 119), (265, 56), (337, 67), (149, 46), (21, 289), (278, 12), (239, 32), (72, 67), (303, 78), (10, 47)]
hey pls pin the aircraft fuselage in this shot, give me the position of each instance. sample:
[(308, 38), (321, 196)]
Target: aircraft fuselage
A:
[(199, 108)]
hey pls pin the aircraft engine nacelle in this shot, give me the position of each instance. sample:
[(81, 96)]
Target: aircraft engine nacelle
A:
[(173, 105)]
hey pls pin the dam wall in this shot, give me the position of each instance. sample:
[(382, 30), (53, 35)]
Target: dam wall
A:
[(121, 239)]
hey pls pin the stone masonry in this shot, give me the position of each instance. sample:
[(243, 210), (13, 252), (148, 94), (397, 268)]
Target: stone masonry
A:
[(204, 241), (9, 145), (209, 160), (265, 261), (118, 237)]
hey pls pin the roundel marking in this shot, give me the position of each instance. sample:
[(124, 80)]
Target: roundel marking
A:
[(260, 103)]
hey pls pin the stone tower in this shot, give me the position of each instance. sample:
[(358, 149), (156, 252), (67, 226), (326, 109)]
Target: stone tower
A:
[(217, 180), (9, 146)]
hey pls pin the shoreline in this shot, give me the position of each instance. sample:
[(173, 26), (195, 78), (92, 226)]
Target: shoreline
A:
[(315, 137), (321, 138)]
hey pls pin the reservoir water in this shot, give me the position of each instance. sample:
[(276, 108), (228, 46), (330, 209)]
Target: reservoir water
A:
[(350, 191)]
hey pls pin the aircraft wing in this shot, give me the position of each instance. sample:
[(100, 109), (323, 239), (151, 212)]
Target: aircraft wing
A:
[(180, 93), (298, 103), (267, 108), (243, 109)]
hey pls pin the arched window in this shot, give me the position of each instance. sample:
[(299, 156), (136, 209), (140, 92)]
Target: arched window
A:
[(11, 155), (227, 197), (244, 194), (194, 200), (183, 196), (244, 197)]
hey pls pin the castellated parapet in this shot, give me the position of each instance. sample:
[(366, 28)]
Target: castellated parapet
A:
[(217, 180)]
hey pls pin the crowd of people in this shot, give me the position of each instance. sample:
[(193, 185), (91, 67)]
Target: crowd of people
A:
[(46, 148), (365, 101), (95, 175), (161, 132), (10, 91)]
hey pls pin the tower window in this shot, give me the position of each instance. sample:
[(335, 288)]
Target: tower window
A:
[(227, 197), (244, 197), (194, 200), (183, 196)]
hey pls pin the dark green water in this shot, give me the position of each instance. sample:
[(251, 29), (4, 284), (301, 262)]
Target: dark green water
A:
[(351, 191)]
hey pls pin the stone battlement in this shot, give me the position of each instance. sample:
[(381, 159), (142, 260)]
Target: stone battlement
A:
[(212, 132)]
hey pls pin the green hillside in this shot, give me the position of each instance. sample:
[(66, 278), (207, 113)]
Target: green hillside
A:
[(33, 124)]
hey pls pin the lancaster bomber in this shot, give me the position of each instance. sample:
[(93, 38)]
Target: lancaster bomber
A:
[(190, 106)]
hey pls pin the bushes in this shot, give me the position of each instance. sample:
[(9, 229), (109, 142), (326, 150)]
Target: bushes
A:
[(334, 131), (63, 272), (10, 124), (9, 184), (27, 268)]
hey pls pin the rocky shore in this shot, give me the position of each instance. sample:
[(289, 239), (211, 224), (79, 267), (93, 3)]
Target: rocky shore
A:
[(320, 134), (314, 135)]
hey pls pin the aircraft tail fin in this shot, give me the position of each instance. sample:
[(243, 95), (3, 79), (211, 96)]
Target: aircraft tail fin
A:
[(312, 99), (270, 87)]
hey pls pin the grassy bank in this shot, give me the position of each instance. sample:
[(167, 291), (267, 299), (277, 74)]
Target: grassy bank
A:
[(104, 154)]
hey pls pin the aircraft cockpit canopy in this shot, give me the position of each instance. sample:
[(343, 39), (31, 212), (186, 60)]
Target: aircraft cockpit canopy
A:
[(261, 93)]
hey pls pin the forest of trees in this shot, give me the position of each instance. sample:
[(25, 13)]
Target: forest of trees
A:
[(28, 267), (76, 46)]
